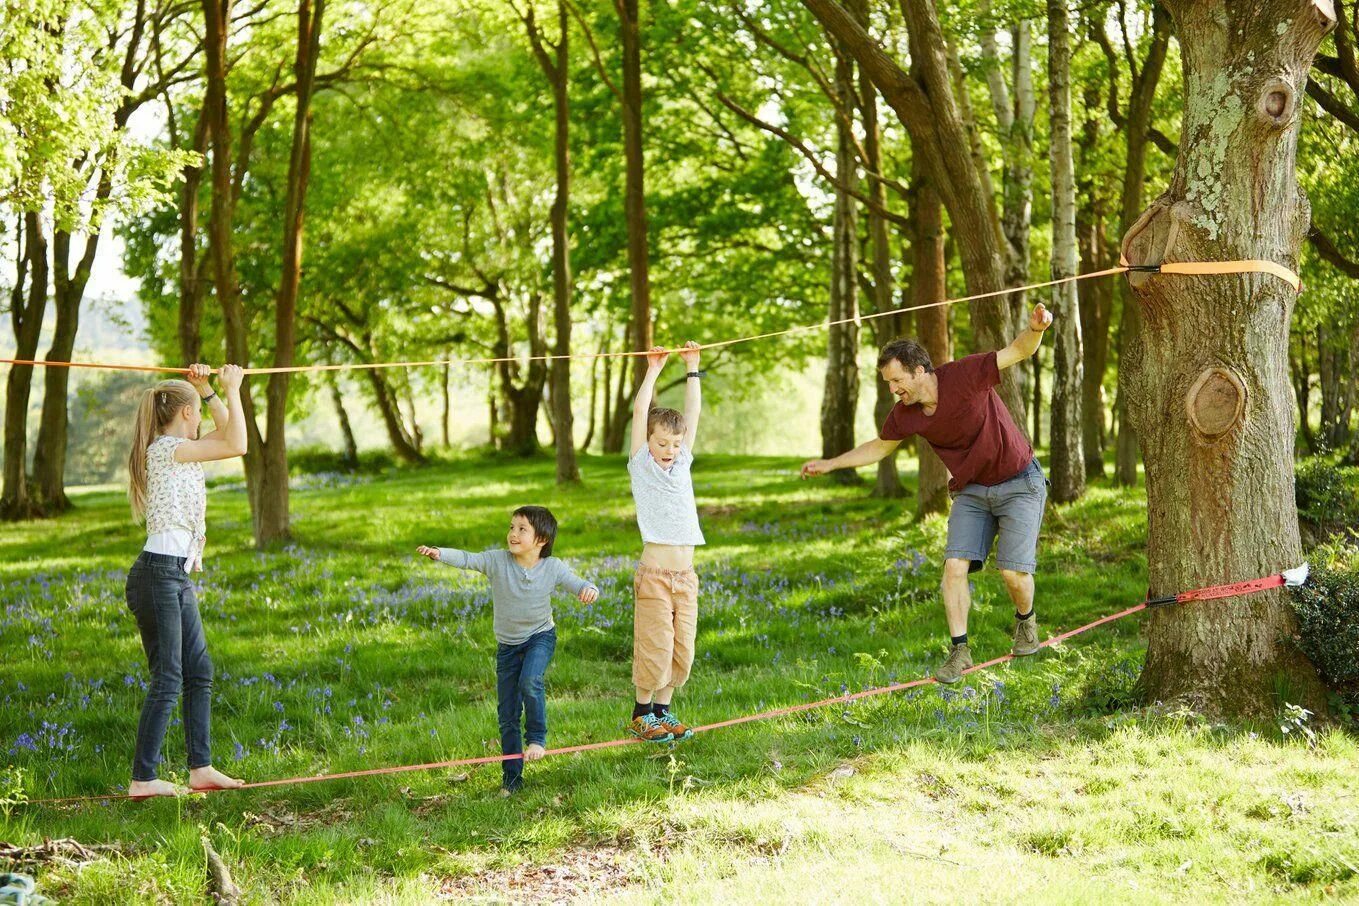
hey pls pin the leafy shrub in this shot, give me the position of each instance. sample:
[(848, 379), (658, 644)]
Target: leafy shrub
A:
[(1328, 622), (1328, 498)]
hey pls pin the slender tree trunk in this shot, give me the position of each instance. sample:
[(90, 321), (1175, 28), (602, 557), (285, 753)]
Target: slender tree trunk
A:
[(634, 197), (594, 404), (271, 514), (1096, 300), (928, 274), (389, 409), (1334, 370), (192, 276), (558, 73), (925, 102), (26, 317), (841, 394), (616, 422), (884, 328), (1207, 375), (351, 445), (217, 16), (446, 412), (1300, 369), (1068, 377), (49, 454), (1126, 452)]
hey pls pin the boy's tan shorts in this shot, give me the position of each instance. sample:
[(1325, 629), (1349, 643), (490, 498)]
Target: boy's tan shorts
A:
[(665, 621)]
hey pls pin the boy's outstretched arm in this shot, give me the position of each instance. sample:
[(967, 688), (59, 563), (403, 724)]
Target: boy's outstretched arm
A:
[(641, 406), (693, 394), (583, 589), (452, 556)]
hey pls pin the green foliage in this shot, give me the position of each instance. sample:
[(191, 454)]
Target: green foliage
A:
[(1328, 622), (1327, 496)]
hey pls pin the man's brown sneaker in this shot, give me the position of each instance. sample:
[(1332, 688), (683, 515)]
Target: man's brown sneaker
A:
[(959, 659), (1026, 637), (649, 729)]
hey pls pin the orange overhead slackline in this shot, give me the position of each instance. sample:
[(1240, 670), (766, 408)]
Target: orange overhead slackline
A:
[(1190, 268)]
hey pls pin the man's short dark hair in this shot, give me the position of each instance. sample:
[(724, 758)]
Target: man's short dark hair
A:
[(906, 351), (544, 525)]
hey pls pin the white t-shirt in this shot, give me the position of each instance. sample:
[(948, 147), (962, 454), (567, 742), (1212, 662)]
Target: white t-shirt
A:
[(176, 504), (666, 511)]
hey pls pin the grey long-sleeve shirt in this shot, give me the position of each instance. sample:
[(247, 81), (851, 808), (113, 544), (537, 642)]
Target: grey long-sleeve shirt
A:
[(520, 598)]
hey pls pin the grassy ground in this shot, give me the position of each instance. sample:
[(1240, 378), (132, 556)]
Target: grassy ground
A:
[(1036, 780)]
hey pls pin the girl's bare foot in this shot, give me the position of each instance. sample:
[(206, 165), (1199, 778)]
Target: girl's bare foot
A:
[(209, 778), (145, 789), (534, 752)]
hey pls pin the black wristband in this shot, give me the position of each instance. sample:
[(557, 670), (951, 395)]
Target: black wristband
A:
[(210, 397), (697, 374)]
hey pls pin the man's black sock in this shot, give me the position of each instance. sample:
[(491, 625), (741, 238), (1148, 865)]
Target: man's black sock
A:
[(959, 639), (658, 709), (1026, 616), (640, 708)]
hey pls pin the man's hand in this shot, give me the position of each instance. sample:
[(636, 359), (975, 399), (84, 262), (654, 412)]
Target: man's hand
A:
[(816, 467), (1041, 319), (430, 552), (690, 355), (589, 595), (656, 358)]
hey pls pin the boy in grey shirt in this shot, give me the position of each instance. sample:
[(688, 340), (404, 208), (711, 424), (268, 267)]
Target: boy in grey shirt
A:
[(522, 581)]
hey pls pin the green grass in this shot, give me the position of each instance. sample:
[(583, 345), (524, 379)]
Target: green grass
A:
[(1039, 779)]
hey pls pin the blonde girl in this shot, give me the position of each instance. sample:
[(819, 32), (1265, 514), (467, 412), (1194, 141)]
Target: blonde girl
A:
[(166, 489)]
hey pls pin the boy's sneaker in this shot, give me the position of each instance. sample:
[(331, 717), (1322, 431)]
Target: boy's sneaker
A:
[(649, 729), (959, 659), (678, 730), (1026, 637)]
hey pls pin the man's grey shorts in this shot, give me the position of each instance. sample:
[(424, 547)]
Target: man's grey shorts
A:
[(1012, 510)]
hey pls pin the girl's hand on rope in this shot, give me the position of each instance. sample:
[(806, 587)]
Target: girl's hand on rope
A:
[(589, 595), (1041, 319), (430, 552), (656, 358), (231, 377), (200, 376), (690, 354)]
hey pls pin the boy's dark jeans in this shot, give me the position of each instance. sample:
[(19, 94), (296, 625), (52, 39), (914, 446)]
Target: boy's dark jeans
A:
[(520, 690), (161, 597)]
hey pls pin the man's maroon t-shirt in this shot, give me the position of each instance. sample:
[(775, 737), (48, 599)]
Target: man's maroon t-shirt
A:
[(970, 429)]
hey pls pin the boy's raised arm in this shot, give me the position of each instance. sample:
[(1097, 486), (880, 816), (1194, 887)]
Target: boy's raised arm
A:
[(641, 406), (693, 394)]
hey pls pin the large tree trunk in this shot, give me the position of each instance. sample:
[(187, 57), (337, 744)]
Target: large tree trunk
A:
[(634, 197), (1208, 375), (928, 285), (522, 401), (1136, 130), (925, 103), (839, 401), (1068, 458), (26, 317)]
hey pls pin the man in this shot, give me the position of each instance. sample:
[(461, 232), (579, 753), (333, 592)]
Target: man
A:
[(997, 486)]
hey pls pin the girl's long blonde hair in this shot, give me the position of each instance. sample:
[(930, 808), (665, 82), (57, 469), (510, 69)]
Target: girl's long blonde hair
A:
[(157, 409)]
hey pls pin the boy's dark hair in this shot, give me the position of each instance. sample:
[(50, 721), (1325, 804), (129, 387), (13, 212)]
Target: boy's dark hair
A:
[(671, 420), (544, 525), (906, 351)]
